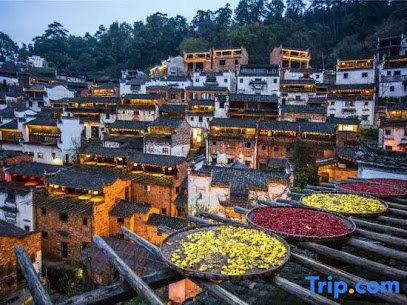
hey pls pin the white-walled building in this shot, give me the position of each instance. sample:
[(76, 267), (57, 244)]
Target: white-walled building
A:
[(352, 101), (215, 188), (173, 66), (393, 77), (168, 136), (297, 92), (295, 74), (393, 129), (36, 61), (8, 78), (355, 71), (226, 79), (259, 79)]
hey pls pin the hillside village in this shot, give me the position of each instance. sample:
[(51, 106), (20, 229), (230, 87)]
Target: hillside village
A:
[(204, 131)]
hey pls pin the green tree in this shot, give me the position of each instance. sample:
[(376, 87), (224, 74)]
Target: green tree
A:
[(8, 48), (295, 9), (305, 171)]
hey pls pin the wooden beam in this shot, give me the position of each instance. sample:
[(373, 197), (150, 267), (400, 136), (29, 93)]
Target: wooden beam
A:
[(120, 292), (384, 238), (38, 292), (145, 292), (355, 260), (379, 227)]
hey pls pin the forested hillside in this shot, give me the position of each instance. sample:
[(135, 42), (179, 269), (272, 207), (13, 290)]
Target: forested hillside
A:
[(331, 29)]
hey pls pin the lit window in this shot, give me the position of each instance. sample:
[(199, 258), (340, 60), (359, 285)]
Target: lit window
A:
[(147, 188), (40, 155), (165, 150), (53, 155)]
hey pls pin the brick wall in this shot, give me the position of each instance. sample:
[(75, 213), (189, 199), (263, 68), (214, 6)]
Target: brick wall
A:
[(234, 149), (182, 135), (78, 233), (9, 264)]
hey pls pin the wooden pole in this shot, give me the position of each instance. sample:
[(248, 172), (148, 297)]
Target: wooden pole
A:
[(379, 227), (384, 238), (145, 292), (355, 260), (38, 292)]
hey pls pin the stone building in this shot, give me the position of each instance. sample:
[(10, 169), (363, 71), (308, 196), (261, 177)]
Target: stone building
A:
[(176, 111), (355, 71), (393, 77), (75, 206), (171, 94), (297, 92), (11, 237), (205, 92), (232, 140), (199, 115), (168, 136)]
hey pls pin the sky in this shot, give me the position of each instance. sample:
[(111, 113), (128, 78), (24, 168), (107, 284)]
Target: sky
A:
[(22, 20)]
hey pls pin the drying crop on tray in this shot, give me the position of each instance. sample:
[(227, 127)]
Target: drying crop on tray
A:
[(300, 221), (394, 182), (228, 250), (344, 203), (373, 189)]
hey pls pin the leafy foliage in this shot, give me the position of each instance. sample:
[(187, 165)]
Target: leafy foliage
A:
[(331, 29), (305, 171)]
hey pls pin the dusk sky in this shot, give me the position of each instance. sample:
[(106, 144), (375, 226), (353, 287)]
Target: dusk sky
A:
[(23, 20)]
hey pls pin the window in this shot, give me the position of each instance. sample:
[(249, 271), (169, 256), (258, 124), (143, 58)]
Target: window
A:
[(159, 232), (40, 104), (107, 116), (248, 145), (366, 103), (222, 62), (63, 217), (388, 73), (44, 235), (136, 112), (43, 212), (298, 97), (173, 96), (345, 75), (214, 143), (84, 245), (124, 111), (200, 119), (192, 118), (208, 119), (196, 80), (263, 147), (275, 148), (64, 249), (389, 147), (236, 61), (248, 163), (147, 188), (222, 105), (53, 156), (398, 72), (27, 228), (275, 80), (241, 80), (332, 103), (165, 150), (85, 221), (225, 80), (288, 149), (164, 211), (317, 76), (391, 88), (364, 74), (177, 190), (120, 220), (388, 132), (30, 104), (40, 155), (150, 149)]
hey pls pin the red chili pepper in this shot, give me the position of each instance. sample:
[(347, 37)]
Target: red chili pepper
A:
[(304, 222), (395, 182), (373, 189)]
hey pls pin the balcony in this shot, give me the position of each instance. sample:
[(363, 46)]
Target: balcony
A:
[(11, 137), (44, 139), (393, 78)]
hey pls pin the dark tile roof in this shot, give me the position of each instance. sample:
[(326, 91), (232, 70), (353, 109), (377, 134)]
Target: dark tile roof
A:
[(156, 160), (381, 157), (33, 169), (42, 121), (86, 177), (202, 103), (347, 152), (298, 81), (88, 99), (302, 109), (169, 88), (175, 223), (124, 208), (347, 121), (8, 229), (106, 151), (241, 180), (295, 126), (166, 122), (207, 88), (63, 204), (182, 201), (172, 108), (149, 179), (5, 154), (253, 98), (135, 125), (316, 100), (131, 143), (150, 96), (278, 163), (303, 70), (135, 256), (233, 122), (10, 125), (351, 87), (399, 106), (7, 113)]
